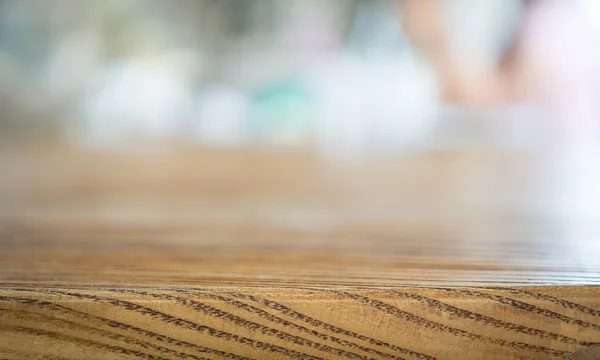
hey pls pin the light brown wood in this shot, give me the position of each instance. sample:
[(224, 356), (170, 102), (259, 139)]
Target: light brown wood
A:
[(255, 255)]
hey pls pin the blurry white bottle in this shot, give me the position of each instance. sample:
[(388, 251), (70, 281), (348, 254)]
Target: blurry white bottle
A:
[(145, 98), (382, 105), (220, 116), (378, 96)]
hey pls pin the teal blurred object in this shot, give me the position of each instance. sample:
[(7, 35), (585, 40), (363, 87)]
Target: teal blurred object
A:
[(284, 113)]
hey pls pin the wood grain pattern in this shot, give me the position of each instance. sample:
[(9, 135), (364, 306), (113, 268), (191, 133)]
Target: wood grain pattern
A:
[(228, 255), (319, 323)]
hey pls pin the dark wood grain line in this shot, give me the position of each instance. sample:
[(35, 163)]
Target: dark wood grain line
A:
[(223, 335), (239, 321), (527, 307), (322, 336), (76, 340), (329, 327), (27, 356), (428, 324), (465, 314), (275, 319), (66, 324), (564, 303), (54, 307)]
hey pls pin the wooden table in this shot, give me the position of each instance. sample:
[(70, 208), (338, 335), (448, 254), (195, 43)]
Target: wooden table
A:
[(199, 254)]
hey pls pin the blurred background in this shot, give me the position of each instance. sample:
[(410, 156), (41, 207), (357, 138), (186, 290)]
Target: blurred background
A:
[(342, 77), (439, 114)]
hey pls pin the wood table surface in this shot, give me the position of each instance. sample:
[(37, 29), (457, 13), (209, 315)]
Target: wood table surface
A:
[(227, 254)]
